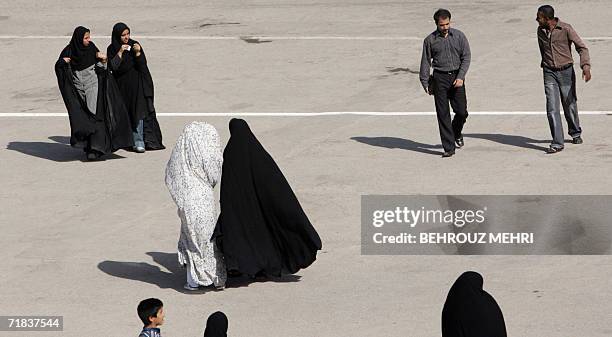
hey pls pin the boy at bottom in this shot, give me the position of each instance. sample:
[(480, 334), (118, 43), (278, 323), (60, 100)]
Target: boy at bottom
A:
[(151, 313)]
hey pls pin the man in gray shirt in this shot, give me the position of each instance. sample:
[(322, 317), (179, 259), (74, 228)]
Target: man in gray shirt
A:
[(447, 51)]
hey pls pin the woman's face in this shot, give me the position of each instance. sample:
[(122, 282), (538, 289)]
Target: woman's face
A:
[(86, 39), (125, 36)]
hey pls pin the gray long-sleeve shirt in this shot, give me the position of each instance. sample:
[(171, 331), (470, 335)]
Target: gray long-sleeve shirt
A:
[(445, 54)]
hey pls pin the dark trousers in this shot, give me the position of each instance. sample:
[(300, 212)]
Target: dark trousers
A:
[(444, 92)]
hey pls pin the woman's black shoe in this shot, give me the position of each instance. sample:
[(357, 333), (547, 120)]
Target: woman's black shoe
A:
[(91, 156)]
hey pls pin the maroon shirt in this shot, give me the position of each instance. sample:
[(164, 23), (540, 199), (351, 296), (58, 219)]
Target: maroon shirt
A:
[(555, 46)]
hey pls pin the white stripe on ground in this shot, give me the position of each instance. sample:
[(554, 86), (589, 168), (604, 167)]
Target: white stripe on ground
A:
[(187, 37), (178, 37), (311, 114)]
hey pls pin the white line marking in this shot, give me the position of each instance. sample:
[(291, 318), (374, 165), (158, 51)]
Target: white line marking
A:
[(598, 38), (192, 37), (170, 37), (310, 114)]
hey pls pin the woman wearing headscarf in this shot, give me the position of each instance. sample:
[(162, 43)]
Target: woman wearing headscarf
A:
[(128, 64), (98, 119), (192, 172), (216, 325), (469, 311), (262, 228)]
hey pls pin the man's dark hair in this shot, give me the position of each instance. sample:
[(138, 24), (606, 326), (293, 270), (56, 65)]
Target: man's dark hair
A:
[(442, 14), (149, 308), (547, 11)]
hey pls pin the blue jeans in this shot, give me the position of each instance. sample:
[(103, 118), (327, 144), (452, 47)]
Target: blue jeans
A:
[(560, 86), (138, 135)]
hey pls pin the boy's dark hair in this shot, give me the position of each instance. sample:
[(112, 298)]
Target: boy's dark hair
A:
[(442, 14), (547, 11), (149, 308)]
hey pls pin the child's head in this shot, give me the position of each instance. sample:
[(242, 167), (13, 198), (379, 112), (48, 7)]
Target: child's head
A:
[(151, 312)]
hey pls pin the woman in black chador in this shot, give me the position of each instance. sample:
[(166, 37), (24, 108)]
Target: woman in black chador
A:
[(216, 325), (469, 311), (98, 119), (128, 64), (262, 228)]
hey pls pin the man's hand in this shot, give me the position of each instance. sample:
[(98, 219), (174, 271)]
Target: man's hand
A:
[(458, 83), (67, 59), (586, 73)]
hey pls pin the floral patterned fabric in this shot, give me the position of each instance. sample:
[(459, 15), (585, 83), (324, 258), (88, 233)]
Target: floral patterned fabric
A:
[(192, 172)]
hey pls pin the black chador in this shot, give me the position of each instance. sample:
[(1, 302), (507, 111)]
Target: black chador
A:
[(262, 228), (469, 311), (136, 86)]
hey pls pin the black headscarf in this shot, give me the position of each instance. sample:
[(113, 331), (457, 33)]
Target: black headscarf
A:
[(262, 227), (216, 325), (469, 311), (116, 43), (128, 61), (81, 57)]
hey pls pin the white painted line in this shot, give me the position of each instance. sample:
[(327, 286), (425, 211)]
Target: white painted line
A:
[(194, 37), (334, 38), (310, 114), (178, 37)]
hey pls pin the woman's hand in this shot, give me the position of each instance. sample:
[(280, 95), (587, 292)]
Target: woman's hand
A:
[(122, 49), (101, 56), (137, 49), (67, 59)]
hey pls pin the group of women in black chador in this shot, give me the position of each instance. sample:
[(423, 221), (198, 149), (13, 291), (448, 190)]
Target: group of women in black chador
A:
[(109, 107), (262, 228)]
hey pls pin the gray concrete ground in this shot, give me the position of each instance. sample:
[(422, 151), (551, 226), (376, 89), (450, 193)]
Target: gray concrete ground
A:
[(305, 76), (89, 240)]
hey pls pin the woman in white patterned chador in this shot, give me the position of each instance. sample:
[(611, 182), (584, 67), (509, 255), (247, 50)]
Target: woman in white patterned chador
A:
[(192, 172)]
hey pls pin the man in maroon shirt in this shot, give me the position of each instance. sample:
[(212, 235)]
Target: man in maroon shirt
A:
[(555, 39)]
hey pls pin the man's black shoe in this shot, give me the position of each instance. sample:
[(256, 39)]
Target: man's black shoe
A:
[(459, 142), (577, 140), (447, 154), (552, 150)]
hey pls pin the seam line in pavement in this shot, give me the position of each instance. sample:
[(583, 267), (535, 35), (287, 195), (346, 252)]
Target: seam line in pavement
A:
[(311, 114)]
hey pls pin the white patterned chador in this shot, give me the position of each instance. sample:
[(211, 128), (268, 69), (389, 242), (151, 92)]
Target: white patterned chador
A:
[(192, 172)]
